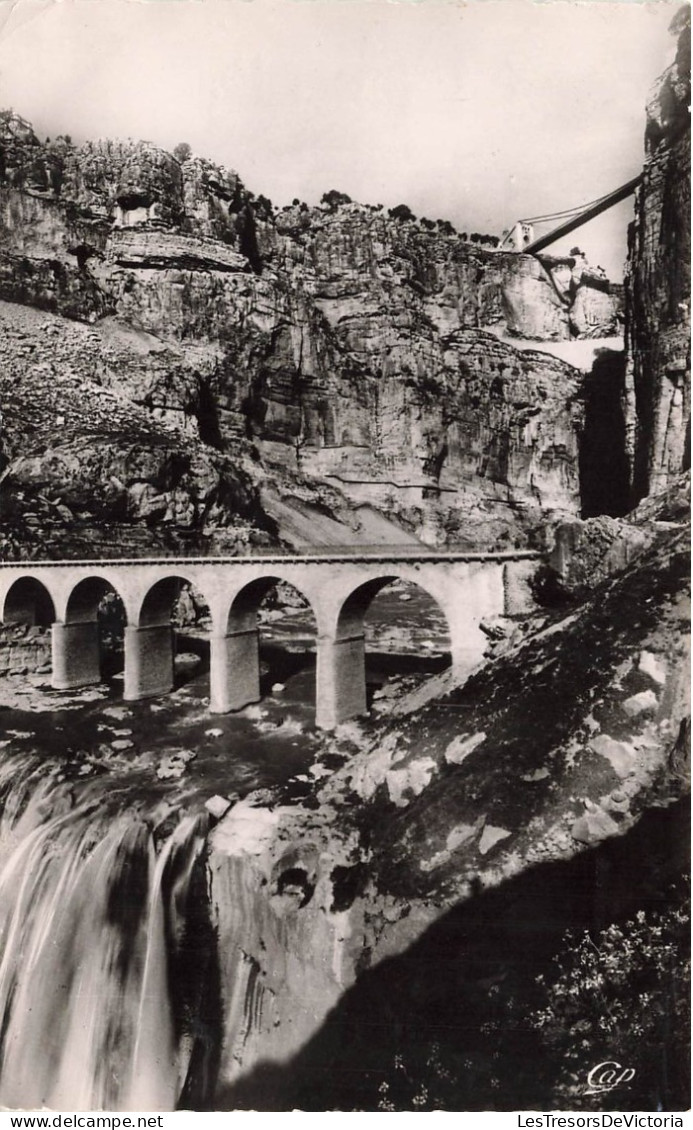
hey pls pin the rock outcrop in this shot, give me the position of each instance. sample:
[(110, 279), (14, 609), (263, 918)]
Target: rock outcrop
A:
[(658, 291), (586, 552)]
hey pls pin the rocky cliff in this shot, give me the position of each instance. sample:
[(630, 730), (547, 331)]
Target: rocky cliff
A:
[(356, 356), (658, 287)]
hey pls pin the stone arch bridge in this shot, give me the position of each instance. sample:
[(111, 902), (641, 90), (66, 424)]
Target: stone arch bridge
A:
[(339, 587)]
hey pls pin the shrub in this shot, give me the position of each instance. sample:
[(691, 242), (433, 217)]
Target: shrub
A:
[(626, 991), (618, 994)]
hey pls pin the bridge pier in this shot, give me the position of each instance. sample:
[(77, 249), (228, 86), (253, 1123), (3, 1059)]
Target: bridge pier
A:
[(340, 680), (75, 655), (467, 642), (517, 587), (148, 661), (234, 670)]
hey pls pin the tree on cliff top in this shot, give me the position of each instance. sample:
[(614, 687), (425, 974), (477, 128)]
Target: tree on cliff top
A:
[(446, 227), (182, 152), (264, 206), (401, 212), (333, 198)]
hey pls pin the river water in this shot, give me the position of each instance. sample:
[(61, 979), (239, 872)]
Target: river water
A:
[(102, 837)]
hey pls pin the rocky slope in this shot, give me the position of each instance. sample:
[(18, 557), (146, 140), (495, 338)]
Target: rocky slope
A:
[(90, 471), (658, 286), (358, 352), (561, 743)]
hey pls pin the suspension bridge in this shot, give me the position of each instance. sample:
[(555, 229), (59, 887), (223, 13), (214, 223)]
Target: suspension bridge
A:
[(521, 236)]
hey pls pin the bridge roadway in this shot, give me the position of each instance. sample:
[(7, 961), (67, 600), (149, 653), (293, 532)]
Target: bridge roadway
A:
[(339, 587)]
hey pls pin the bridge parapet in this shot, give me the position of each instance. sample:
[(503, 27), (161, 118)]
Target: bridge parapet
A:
[(333, 554)]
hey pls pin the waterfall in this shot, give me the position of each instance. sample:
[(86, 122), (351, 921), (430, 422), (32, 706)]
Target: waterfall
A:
[(93, 897)]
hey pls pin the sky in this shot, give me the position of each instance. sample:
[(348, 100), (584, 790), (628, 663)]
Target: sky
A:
[(480, 112)]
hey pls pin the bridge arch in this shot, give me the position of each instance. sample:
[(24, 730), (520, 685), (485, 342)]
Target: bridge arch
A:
[(351, 618), (235, 648), (150, 639), (355, 606), (351, 615), (157, 604), (28, 601), (342, 664), (78, 653), (85, 597), (245, 605)]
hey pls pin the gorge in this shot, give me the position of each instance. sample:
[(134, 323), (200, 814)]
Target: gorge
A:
[(242, 911)]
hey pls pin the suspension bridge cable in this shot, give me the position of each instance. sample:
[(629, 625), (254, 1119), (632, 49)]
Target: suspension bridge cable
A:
[(567, 212)]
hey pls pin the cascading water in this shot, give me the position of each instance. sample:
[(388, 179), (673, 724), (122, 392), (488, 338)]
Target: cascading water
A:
[(113, 993), (91, 916)]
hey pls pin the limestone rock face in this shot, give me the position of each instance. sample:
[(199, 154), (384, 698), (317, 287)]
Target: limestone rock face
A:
[(21, 151), (658, 286), (124, 182), (357, 351), (594, 311), (587, 552), (24, 649), (86, 468)]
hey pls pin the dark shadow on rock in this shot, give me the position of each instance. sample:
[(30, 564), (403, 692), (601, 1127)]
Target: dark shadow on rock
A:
[(282, 665), (195, 989), (194, 645), (382, 666), (438, 994), (604, 470)]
